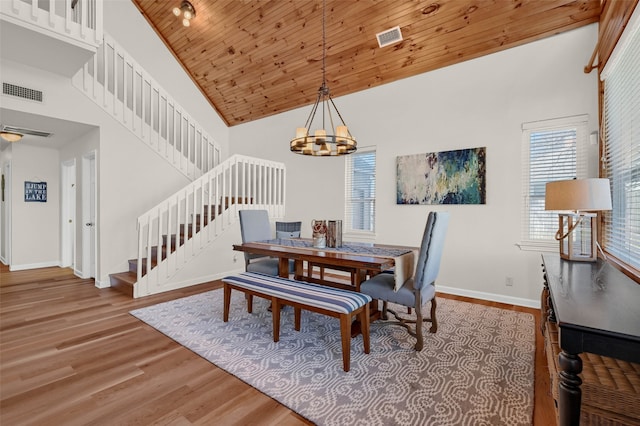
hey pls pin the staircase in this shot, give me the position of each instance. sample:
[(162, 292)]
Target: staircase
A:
[(187, 222), (123, 89)]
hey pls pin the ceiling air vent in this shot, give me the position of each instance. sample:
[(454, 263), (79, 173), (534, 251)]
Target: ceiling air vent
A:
[(21, 92), (388, 37), (23, 131)]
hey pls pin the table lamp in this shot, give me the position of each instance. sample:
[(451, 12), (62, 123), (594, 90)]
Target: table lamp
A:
[(577, 200)]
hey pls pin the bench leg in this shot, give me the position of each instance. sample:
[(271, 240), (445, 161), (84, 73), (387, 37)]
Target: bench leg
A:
[(363, 316), (275, 315), (345, 333), (227, 302), (250, 303), (297, 315)]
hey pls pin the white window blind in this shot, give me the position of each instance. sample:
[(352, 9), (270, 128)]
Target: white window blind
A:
[(360, 191), (552, 150), (621, 162)]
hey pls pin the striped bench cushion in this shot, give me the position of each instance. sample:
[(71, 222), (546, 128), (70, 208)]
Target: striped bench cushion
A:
[(329, 298)]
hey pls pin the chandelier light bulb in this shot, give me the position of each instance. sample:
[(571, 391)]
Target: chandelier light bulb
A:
[(186, 22), (176, 11)]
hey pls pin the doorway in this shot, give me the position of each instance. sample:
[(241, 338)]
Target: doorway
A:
[(89, 222), (5, 214)]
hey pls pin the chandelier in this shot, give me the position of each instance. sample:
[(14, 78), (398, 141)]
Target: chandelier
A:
[(187, 11), (338, 141)]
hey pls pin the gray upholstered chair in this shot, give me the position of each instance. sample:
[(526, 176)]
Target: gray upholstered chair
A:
[(288, 229), (255, 226), (418, 289)]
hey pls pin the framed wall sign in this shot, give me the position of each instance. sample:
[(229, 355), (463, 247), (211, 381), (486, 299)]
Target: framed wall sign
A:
[(35, 192)]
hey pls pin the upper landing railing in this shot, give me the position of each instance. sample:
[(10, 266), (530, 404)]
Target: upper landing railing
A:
[(79, 20)]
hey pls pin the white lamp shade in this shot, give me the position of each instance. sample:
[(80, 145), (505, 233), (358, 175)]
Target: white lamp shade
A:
[(578, 194)]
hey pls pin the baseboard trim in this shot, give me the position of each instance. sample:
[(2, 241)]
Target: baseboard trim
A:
[(492, 297), (33, 266)]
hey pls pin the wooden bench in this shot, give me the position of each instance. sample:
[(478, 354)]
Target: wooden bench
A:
[(338, 303)]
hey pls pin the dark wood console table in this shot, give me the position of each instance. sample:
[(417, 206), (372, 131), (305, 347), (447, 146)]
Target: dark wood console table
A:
[(597, 309)]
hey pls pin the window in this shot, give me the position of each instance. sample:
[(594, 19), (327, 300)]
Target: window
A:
[(360, 192), (621, 154), (552, 150)]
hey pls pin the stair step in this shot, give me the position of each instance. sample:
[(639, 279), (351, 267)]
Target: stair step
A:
[(123, 282)]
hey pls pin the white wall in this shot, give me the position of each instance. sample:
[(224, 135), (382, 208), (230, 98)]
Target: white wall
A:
[(35, 236), (478, 103)]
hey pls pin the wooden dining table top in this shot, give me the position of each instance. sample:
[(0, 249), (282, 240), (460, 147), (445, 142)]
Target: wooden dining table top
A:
[(375, 257)]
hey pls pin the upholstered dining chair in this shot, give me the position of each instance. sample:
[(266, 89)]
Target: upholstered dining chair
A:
[(255, 226), (418, 289), (288, 229)]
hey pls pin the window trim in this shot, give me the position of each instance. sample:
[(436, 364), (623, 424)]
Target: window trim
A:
[(357, 234), (580, 123)]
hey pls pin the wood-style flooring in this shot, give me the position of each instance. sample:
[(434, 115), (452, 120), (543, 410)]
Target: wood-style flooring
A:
[(70, 354)]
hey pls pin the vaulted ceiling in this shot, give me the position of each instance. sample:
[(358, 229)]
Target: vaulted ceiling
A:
[(255, 58)]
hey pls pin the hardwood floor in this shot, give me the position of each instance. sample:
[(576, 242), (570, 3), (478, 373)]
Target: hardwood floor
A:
[(71, 354)]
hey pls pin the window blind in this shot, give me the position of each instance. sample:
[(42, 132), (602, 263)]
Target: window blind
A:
[(621, 155), (552, 150), (360, 191)]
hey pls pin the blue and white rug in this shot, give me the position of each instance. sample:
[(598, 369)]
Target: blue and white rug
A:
[(478, 369)]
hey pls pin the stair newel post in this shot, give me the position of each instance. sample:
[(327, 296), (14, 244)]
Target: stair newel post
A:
[(140, 249), (169, 257), (158, 239)]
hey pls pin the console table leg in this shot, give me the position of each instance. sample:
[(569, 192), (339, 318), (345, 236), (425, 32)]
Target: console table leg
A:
[(569, 392)]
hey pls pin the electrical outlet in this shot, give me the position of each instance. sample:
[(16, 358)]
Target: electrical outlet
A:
[(508, 281)]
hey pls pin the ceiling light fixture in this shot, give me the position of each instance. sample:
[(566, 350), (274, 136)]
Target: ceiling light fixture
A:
[(10, 136), (187, 11), (321, 144)]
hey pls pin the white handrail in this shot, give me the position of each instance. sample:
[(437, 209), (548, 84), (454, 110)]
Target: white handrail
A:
[(125, 90), (81, 22), (175, 230)]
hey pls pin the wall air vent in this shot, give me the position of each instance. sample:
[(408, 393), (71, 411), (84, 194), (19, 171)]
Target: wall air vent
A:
[(21, 92), (23, 131), (388, 37)]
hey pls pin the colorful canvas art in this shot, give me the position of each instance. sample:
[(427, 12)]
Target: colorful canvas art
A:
[(448, 177)]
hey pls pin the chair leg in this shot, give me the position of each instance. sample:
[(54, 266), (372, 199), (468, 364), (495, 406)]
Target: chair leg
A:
[(419, 337), (434, 321), (384, 310)]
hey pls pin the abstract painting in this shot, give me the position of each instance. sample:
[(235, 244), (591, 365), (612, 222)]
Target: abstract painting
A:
[(447, 177)]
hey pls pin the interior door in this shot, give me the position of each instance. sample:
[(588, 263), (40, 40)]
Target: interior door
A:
[(68, 216)]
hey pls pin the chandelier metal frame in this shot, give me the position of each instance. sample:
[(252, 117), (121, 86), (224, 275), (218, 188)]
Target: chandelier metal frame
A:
[(320, 143)]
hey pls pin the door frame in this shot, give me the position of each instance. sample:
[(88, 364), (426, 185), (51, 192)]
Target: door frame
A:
[(89, 209), (6, 215)]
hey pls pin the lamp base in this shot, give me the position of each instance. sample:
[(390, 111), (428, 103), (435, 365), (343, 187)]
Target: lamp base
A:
[(579, 236)]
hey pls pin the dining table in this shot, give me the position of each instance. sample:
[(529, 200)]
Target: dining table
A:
[(360, 260)]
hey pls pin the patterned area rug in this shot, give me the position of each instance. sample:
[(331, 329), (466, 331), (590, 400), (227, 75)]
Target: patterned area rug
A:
[(476, 370)]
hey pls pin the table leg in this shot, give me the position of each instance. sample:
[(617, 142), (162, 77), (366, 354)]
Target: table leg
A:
[(283, 267), (569, 392)]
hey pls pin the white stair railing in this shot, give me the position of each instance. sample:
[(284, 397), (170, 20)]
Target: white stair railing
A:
[(177, 229), (77, 20), (125, 90)]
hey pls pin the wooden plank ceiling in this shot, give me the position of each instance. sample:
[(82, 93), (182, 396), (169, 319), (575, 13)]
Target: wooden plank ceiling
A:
[(255, 58)]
